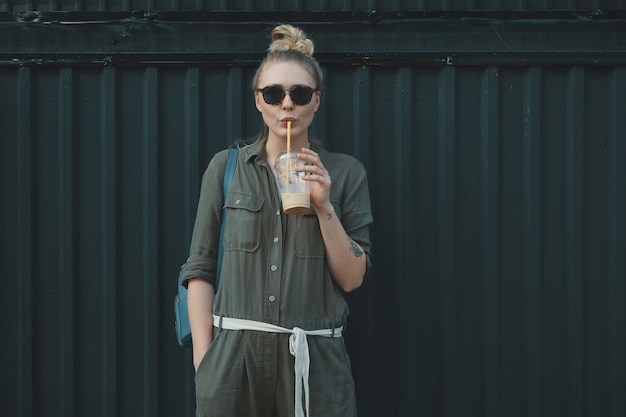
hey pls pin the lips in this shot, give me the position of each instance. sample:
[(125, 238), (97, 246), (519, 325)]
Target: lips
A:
[(287, 119)]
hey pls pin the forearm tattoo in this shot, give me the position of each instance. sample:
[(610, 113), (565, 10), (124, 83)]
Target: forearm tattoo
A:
[(354, 248)]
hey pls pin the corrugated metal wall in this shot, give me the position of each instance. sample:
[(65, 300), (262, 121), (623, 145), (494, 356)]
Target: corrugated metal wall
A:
[(497, 166), (273, 5)]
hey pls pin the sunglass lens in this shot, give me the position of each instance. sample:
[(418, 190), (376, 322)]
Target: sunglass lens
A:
[(301, 95), (273, 95)]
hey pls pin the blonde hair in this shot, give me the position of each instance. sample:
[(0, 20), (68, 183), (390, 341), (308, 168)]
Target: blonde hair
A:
[(291, 44), (289, 38)]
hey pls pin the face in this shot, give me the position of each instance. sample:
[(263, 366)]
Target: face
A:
[(286, 75)]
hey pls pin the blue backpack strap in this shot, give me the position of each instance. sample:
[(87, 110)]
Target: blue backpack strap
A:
[(231, 165)]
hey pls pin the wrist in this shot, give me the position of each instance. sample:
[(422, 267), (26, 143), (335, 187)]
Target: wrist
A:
[(327, 211)]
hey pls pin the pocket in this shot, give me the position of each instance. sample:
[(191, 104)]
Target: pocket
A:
[(202, 364), (219, 377), (331, 382), (342, 353), (243, 222)]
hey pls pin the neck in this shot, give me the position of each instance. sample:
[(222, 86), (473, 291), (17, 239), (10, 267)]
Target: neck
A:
[(275, 145)]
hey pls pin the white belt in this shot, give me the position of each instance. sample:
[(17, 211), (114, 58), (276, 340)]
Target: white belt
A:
[(298, 347)]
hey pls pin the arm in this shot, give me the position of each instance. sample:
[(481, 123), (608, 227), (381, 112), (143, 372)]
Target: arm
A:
[(345, 257), (202, 263), (200, 307)]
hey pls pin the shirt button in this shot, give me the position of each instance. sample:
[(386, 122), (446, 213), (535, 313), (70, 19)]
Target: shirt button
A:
[(273, 267), (278, 212), (237, 202), (275, 240), (272, 298)]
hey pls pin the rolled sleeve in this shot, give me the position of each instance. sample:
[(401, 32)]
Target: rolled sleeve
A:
[(356, 214)]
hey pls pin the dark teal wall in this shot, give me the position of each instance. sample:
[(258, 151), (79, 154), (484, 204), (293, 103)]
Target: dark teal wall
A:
[(496, 153), (274, 5)]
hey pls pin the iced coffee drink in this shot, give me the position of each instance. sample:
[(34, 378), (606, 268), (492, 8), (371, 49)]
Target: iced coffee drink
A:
[(294, 191)]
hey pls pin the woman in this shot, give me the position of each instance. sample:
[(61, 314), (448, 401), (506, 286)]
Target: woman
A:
[(269, 343)]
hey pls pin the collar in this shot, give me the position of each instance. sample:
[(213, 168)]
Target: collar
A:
[(253, 151)]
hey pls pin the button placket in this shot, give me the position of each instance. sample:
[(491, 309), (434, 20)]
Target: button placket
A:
[(275, 254)]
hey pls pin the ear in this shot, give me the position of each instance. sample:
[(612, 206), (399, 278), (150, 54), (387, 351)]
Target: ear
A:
[(318, 99), (257, 100)]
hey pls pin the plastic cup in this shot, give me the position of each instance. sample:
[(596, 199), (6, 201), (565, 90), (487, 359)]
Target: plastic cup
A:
[(294, 191)]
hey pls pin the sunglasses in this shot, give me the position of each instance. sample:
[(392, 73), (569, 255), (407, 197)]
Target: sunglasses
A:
[(300, 94)]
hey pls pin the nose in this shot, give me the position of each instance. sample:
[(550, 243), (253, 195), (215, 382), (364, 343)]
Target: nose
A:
[(287, 102)]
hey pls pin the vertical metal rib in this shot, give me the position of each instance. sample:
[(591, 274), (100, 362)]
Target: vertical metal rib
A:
[(446, 149), (151, 234), (489, 239), (361, 116), (617, 243), (24, 243), (69, 250), (574, 174), (234, 106), (193, 112), (404, 242), (108, 229), (531, 239)]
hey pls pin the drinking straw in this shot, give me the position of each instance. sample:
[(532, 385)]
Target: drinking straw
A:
[(288, 152), (289, 136)]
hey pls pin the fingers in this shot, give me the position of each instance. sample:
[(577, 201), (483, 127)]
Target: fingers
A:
[(315, 168), (317, 176), (311, 157)]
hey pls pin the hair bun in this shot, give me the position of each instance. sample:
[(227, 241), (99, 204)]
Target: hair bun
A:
[(289, 38)]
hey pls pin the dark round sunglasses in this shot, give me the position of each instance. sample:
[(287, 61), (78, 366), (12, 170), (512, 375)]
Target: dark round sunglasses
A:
[(300, 94)]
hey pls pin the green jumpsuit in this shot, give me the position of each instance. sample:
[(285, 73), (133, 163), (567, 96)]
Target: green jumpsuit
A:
[(274, 271)]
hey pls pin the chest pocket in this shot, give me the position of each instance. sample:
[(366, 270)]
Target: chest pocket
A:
[(243, 222)]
